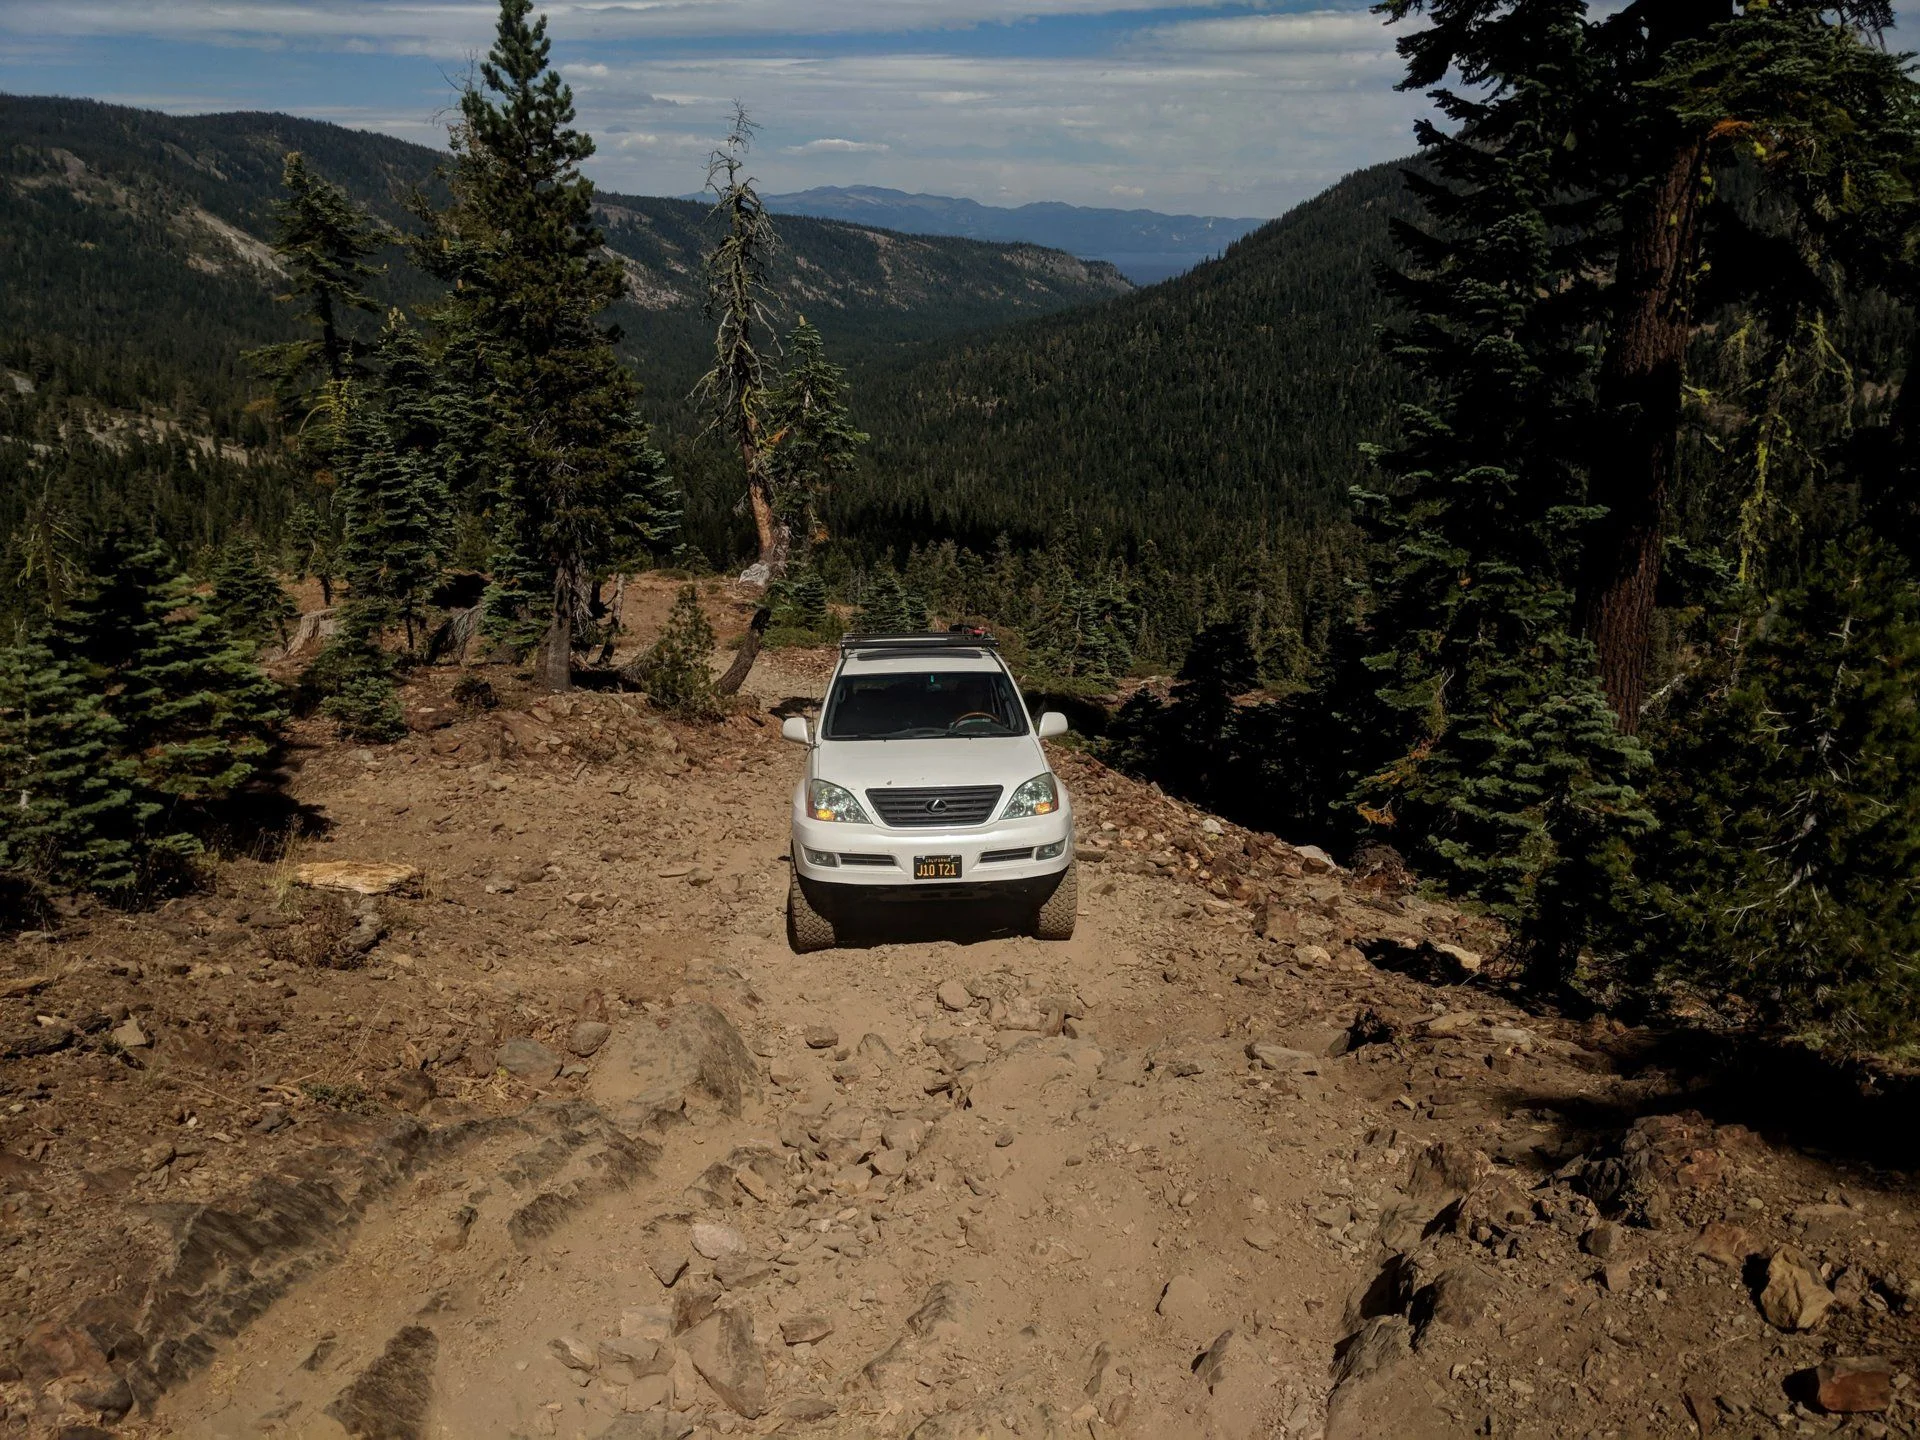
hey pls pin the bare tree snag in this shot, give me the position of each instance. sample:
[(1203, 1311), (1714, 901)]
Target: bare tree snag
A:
[(743, 658)]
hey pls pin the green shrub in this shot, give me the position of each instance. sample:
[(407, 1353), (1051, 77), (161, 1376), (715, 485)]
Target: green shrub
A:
[(367, 708), (676, 673)]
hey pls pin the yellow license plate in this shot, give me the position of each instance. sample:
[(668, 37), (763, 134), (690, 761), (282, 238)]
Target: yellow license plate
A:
[(936, 867)]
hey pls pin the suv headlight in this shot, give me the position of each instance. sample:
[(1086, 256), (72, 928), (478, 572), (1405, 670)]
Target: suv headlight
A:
[(1038, 796), (834, 802)]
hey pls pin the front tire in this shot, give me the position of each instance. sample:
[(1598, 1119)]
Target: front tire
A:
[(1056, 918), (807, 929)]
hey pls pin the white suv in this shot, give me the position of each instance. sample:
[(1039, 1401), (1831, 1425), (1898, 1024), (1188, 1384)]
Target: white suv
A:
[(925, 780)]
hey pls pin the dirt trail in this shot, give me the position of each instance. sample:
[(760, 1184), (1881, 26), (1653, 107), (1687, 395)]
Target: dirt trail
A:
[(1177, 1177)]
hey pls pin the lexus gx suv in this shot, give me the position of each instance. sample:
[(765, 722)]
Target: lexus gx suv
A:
[(926, 781)]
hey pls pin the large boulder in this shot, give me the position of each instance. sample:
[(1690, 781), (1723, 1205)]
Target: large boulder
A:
[(669, 1065)]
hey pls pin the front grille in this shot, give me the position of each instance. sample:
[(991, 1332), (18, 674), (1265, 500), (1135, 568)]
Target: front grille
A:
[(904, 806), (997, 857), (884, 861)]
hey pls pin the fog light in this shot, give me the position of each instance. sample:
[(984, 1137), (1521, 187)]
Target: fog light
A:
[(823, 858), (1048, 852)]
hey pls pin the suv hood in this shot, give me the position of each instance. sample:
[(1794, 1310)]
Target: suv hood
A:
[(861, 765)]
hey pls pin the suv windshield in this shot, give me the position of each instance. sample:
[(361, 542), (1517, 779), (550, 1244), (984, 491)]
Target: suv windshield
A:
[(924, 705)]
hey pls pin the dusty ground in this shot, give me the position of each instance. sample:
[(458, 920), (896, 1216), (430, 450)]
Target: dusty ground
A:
[(1251, 1156)]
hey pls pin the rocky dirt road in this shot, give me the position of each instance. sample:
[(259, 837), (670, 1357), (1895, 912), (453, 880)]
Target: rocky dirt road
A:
[(563, 1141)]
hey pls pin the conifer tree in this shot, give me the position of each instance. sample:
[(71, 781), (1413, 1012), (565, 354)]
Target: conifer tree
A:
[(1789, 795), (811, 440), (736, 387), (393, 492), (676, 671), (68, 813), (889, 606), (798, 602), (322, 239), (1470, 725), (247, 595), (1664, 93), (313, 541), (195, 714), (577, 479)]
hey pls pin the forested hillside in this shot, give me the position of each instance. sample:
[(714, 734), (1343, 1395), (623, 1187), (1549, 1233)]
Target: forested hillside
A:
[(1197, 414), (135, 271)]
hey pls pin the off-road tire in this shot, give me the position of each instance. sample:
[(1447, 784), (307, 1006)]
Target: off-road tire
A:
[(1054, 921), (807, 929)]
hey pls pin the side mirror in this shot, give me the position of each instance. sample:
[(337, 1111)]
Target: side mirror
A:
[(795, 728), (1052, 723)]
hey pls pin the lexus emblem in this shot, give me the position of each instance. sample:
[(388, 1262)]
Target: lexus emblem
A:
[(937, 806)]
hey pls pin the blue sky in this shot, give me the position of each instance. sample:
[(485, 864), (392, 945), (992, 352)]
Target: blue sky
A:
[(1232, 108), (1239, 107)]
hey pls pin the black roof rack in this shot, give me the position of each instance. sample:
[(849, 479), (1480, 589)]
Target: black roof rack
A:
[(960, 637)]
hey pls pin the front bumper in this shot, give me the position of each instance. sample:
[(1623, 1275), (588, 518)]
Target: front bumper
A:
[(876, 857)]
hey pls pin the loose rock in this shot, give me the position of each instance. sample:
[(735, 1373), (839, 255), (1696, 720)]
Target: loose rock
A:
[(722, 1350), (805, 1329), (717, 1242), (528, 1059), (1186, 1303), (953, 995), (588, 1036), (1851, 1385), (1794, 1298)]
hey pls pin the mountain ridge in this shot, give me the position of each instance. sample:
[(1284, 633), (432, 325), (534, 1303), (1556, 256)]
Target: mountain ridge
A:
[(152, 193), (1146, 245)]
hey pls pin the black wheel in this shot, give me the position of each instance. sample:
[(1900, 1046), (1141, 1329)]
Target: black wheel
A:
[(1055, 918), (807, 928)]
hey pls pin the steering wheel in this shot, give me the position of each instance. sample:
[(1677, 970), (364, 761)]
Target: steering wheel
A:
[(975, 715)]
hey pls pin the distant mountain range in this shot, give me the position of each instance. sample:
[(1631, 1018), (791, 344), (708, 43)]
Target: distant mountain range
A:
[(1143, 245)]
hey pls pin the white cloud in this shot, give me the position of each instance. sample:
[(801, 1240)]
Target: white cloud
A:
[(455, 27), (830, 146), (1192, 126), (1240, 114)]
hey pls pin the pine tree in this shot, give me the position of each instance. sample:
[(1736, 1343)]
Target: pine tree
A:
[(195, 714), (247, 596), (889, 607), (313, 541), (676, 671), (393, 493), (798, 602), (735, 388), (1661, 94), (811, 441), (1789, 795), (577, 481), (1467, 710), (322, 240), (68, 814)]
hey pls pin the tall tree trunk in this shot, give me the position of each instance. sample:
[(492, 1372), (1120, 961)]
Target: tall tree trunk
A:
[(554, 665), (776, 537), (1639, 412), (743, 658)]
